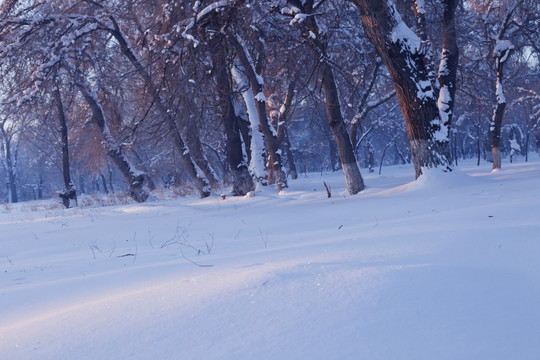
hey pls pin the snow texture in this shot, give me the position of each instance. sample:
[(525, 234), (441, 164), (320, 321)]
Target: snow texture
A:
[(208, 9), (298, 18), (502, 49), (514, 146), (420, 6), (402, 34), (443, 105), (441, 132), (260, 97), (499, 92), (425, 90)]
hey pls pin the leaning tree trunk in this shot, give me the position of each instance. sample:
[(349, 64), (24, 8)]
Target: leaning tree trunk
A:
[(69, 195), (193, 139), (400, 51), (185, 158), (134, 178), (312, 34), (353, 178)]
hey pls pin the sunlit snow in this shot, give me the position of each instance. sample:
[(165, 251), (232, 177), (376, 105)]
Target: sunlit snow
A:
[(442, 268)]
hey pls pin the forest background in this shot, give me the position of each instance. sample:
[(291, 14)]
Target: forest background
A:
[(231, 95)]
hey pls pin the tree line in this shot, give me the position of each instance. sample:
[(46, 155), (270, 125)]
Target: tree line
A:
[(242, 93)]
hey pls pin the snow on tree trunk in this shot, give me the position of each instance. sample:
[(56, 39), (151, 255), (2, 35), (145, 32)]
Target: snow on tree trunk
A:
[(256, 163), (448, 65), (274, 163), (241, 178), (501, 53), (400, 50), (283, 135)]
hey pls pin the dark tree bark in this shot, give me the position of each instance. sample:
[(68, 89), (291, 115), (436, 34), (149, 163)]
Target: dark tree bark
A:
[(241, 179), (449, 64), (282, 133), (353, 178), (332, 147), (501, 53), (496, 122), (399, 49), (426, 48), (149, 181), (135, 179), (69, 192), (287, 147), (104, 183), (200, 182), (193, 139), (10, 166)]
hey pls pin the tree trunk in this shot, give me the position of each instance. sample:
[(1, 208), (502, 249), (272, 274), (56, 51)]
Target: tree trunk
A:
[(537, 140), (282, 133), (286, 145), (40, 188), (353, 178), (198, 178), (496, 122), (104, 183), (140, 163), (274, 157), (495, 129), (241, 179), (449, 64), (69, 195), (253, 137), (331, 146), (527, 136), (193, 139), (9, 166), (399, 49), (134, 178), (478, 149), (501, 53), (312, 34)]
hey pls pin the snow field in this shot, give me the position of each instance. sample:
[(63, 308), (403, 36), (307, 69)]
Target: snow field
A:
[(442, 268)]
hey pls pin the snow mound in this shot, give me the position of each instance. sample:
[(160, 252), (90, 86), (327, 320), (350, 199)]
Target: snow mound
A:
[(435, 179)]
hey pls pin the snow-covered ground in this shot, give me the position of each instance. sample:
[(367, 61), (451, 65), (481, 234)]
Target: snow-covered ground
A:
[(447, 267)]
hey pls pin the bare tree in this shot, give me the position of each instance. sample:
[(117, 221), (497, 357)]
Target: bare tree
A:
[(69, 195), (304, 13), (400, 51), (501, 52)]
